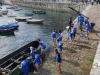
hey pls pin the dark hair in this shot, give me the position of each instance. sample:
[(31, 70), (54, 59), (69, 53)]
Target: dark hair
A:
[(38, 39), (24, 57), (57, 40), (56, 31), (56, 50), (87, 17)]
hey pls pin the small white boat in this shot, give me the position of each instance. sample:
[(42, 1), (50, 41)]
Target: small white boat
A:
[(12, 22), (22, 18), (17, 9), (11, 15), (4, 11), (36, 10), (35, 21), (10, 7)]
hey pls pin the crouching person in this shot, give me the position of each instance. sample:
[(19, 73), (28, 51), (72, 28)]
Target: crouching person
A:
[(24, 66), (38, 61), (43, 47)]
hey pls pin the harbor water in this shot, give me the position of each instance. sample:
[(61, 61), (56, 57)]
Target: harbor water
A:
[(29, 32)]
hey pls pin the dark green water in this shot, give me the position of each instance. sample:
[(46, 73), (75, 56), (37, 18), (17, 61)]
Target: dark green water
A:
[(30, 32)]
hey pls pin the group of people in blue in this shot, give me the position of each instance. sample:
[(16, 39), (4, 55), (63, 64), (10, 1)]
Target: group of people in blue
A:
[(58, 51), (36, 58), (57, 43), (84, 22)]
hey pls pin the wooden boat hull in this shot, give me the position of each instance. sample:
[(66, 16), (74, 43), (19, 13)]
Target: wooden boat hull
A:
[(34, 22), (9, 63)]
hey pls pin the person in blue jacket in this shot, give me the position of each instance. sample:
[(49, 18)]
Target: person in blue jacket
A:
[(86, 20), (59, 36), (73, 31), (54, 37), (24, 66), (32, 54), (60, 46), (43, 46), (70, 36), (58, 61), (78, 16), (88, 29), (81, 20), (38, 61)]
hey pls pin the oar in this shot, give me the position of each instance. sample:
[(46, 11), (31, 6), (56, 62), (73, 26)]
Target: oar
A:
[(77, 11)]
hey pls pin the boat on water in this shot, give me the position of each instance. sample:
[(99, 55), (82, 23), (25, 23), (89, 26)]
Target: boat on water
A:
[(4, 11), (11, 15), (10, 7), (8, 26), (22, 19), (35, 21), (17, 9), (12, 22), (39, 12), (9, 63), (9, 31), (36, 10)]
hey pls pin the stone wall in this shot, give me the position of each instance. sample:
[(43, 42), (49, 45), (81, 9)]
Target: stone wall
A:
[(56, 6)]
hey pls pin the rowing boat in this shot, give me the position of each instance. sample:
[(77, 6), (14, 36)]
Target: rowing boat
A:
[(9, 63)]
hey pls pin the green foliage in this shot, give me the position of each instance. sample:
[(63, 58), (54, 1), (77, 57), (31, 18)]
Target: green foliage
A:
[(90, 60)]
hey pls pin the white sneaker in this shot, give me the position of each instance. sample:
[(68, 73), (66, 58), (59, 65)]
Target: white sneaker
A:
[(35, 72)]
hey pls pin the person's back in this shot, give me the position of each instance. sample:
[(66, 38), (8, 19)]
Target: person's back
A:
[(53, 34), (73, 30), (37, 59), (88, 27), (60, 46), (81, 20), (32, 54), (60, 36), (27, 65), (69, 34), (42, 44), (58, 57), (24, 67)]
